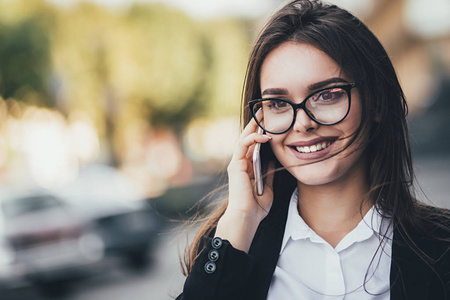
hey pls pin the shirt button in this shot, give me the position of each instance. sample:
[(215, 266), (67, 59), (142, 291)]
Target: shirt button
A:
[(213, 255), (210, 267), (217, 242)]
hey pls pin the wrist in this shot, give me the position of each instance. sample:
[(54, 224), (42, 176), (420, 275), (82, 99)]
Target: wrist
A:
[(244, 215), (238, 228)]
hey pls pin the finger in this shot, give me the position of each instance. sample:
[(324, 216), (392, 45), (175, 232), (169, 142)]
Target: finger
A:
[(252, 126), (250, 150), (244, 144), (251, 176)]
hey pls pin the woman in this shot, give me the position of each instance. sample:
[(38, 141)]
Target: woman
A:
[(337, 218)]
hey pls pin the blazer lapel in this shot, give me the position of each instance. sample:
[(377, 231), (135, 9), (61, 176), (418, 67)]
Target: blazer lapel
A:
[(410, 275), (266, 244)]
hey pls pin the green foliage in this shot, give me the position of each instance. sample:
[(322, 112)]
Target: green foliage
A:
[(150, 62), (24, 59), (164, 65), (229, 45)]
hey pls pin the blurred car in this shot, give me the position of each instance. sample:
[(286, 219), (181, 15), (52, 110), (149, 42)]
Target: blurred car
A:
[(129, 235), (115, 210), (44, 242), (11, 272), (49, 239)]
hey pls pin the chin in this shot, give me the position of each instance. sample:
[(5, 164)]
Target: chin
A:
[(313, 175)]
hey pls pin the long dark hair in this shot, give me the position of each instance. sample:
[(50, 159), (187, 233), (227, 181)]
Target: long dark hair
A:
[(361, 56)]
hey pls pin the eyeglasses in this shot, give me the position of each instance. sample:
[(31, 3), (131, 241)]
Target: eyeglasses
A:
[(327, 106)]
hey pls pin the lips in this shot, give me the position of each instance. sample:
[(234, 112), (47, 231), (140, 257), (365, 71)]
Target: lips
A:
[(314, 148)]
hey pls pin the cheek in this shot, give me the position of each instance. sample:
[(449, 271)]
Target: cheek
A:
[(352, 121), (354, 114)]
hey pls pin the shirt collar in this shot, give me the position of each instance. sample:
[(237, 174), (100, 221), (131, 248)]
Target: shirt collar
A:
[(297, 229)]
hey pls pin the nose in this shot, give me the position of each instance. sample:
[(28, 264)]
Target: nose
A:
[(303, 123)]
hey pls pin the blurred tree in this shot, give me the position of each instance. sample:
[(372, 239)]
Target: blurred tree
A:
[(151, 57), (150, 64), (80, 47), (229, 43), (163, 64), (24, 61)]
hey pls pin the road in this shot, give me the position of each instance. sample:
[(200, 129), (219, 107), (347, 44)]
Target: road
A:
[(163, 281)]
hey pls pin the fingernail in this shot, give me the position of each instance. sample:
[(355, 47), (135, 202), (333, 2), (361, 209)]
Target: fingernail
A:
[(268, 136)]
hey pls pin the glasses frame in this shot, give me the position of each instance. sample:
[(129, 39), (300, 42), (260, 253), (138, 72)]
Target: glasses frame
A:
[(346, 87)]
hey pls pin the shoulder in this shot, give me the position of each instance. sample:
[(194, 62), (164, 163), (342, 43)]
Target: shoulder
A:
[(421, 254), (436, 223), (428, 234)]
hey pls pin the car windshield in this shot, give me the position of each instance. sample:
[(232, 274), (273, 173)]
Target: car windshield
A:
[(16, 207)]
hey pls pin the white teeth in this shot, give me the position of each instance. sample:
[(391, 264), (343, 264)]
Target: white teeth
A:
[(313, 148)]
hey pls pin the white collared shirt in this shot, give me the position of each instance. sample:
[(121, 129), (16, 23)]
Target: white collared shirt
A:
[(310, 268)]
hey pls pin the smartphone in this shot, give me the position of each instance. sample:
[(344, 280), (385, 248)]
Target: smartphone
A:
[(257, 167)]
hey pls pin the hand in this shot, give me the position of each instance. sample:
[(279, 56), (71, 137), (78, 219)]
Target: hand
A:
[(241, 176), (245, 209)]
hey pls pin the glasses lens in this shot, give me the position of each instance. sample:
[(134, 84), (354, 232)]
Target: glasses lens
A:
[(328, 106), (277, 114)]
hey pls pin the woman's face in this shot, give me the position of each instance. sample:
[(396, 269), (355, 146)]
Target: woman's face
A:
[(293, 71)]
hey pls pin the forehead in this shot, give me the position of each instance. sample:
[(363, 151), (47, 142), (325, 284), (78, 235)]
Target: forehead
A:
[(294, 65)]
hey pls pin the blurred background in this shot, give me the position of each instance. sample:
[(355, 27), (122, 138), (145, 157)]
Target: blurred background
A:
[(117, 117)]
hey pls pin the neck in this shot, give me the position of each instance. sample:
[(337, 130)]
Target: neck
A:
[(334, 209)]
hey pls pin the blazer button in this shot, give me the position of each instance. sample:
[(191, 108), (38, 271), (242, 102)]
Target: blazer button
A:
[(213, 255), (210, 267), (217, 242)]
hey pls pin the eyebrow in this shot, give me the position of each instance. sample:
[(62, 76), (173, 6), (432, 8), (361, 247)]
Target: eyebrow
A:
[(324, 83), (311, 87), (275, 91)]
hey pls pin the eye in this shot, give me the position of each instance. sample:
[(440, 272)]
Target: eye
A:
[(329, 96), (276, 105)]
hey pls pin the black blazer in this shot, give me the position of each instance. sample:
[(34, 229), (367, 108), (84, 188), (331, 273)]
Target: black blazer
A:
[(223, 272)]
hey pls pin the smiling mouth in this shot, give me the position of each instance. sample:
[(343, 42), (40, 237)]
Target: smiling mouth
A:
[(319, 146)]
